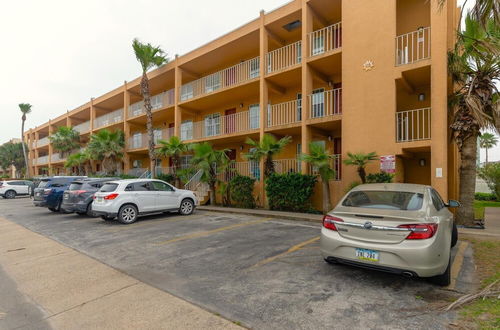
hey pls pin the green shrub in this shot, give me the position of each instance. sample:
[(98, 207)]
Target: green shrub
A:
[(166, 177), (241, 191), (290, 192), (491, 174), (381, 177), (352, 185), (479, 196)]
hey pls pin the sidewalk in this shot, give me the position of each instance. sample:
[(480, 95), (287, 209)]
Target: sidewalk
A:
[(61, 288), (492, 224)]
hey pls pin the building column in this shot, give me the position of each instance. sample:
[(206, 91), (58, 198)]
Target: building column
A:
[(307, 81), (126, 128), (177, 95), (51, 130), (263, 98), (439, 105)]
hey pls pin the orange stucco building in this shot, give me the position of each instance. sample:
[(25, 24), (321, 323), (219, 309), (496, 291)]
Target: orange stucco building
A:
[(353, 75)]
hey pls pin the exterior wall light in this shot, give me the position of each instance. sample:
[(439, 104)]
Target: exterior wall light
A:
[(421, 97), (422, 162)]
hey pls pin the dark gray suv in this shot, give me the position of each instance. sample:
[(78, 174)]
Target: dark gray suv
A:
[(79, 196)]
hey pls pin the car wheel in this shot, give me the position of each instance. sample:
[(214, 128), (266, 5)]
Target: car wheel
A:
[(58, 207), (443, 279), (331, 261), (187, 207), (10, 194), (106, 218), (454, 235), (89, 210), (52, 209), (127, 214)]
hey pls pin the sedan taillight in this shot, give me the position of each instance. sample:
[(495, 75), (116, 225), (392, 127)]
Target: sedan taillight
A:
[(47, 191), (421, 231), (328, 222)]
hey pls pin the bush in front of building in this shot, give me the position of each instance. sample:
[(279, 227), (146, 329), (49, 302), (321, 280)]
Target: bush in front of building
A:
[(241, 191), (290, 192), (381, 177), (491, 174), (170, 178), (490, 197)]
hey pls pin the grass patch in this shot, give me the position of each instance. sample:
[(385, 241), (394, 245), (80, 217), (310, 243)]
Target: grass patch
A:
[(480, 205), (484, 314)]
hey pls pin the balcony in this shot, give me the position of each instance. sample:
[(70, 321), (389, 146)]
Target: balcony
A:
[(109, 119), (42, 160), (140, 140), (43, 142), (413, 46), (226, 78), (217, 125), (56, 157), (284, 113), (325, 40), (284, 57), (325, 103), (83, 127), (159, 101), (413, 125)]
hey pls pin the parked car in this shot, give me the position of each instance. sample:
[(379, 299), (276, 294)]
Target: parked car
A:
[(399, 228), (50, 190), (78, 197), (12, 188), (129, 199)]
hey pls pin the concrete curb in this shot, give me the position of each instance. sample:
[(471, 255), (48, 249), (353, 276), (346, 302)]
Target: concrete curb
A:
[(266, 213)]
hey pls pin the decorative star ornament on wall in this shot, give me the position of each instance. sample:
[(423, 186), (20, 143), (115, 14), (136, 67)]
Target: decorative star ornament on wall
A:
[(368, 65)]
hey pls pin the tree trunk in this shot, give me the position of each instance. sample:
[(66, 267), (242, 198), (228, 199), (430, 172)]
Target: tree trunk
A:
[(212, 193), (149, 123), (326, 196), (27, 171), (486, 156), (175, 161), (268, 167), (362, 174), (465, 213)]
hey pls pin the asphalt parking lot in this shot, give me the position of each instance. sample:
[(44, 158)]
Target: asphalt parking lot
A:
[(259, 272)]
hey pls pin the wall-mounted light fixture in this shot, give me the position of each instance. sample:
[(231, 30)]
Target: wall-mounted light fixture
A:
[(421, 97), (330, 138), (241, 148), (241, 105), (421, 162)]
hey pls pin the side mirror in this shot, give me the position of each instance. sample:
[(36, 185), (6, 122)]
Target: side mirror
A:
[(453, 203)]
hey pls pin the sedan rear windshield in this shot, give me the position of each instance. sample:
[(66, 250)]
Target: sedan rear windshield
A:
[(388, 200), (43, 184), (109, 187), (75, 186)]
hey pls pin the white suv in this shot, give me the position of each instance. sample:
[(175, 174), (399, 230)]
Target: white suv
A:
[(128, 199), (11, 189)]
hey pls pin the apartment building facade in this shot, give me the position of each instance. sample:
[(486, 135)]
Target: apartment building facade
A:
[(352, 75)]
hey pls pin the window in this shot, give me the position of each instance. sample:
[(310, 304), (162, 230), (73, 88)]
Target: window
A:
[(318, 44), (254, 113), (187, 130), (108, 187), (387, 200), (254, 167), (156, 102), (141, 186), (187, 92), (299, 106), (160, 186), (186, 161), (299, 52), (322, 144), (157, 135), (212, 82), (136, 140), (212, 124), (318, 103), (254, 68), (44, 184), (437, 201), (75, 186)]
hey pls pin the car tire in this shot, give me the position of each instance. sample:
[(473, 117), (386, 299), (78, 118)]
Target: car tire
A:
[(106, 218), (187, 207), (127, 214), (10, 194), (89, 212), (52, 209), (81, 213), (331, 261), (443, 279), (58, 207), (454, 235)]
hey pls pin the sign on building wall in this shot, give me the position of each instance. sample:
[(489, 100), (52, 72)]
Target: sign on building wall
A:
[(388, 164)]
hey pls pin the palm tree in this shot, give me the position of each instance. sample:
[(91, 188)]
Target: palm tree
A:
[(25, 109), (482, 11), (487, 141), (360, 160), (266, 148), (173, 148), (149, 57), (474, 65), (65, 140), (212, 163), (78, 160), (321, 160), (108, 147), (11, 154)]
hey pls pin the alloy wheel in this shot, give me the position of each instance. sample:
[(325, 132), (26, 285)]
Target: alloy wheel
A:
[(128, 214), (186, 207)]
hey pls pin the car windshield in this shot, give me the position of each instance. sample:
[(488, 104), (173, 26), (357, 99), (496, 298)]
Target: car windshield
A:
[(108, 187), (389, 200), (43, 184), (75, 186)]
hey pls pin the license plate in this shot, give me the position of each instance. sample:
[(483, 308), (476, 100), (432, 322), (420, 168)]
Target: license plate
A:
[(369, 255), (66, 196), (99, 199), (38, 194)]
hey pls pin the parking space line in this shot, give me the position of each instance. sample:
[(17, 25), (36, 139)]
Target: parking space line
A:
[(457, 264), (290, 250), (209, 232)]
